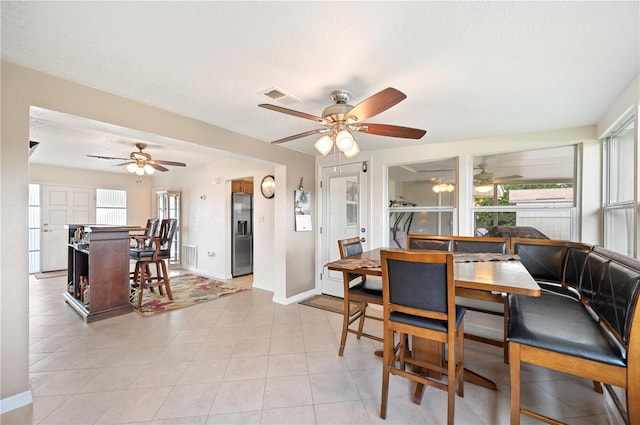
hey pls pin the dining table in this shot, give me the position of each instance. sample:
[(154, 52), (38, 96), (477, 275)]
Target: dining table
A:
[(476, 272)]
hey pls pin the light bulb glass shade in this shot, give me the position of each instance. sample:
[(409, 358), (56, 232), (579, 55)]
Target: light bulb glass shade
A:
[(484, 188), (149, 169), (450, 188), (140, 171), (354, 151), (132, 167), (436, 188), (324, 145), (344, 141)]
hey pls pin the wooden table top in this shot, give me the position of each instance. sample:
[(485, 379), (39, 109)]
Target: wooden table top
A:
[(508, 276)]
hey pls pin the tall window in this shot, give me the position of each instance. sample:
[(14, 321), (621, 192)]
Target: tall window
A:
[(532, 189), (111, 206), (619, 191)]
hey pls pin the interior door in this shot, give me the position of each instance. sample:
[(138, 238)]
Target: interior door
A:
[(62, 205), (345, 215)]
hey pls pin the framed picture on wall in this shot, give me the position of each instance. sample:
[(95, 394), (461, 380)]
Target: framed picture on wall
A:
[(302, 207)]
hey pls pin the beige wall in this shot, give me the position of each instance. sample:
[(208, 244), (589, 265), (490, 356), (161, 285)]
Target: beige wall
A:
[(292, 253)]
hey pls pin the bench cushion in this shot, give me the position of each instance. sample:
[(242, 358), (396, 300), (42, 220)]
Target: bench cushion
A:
[(559, 324), (576, 258)]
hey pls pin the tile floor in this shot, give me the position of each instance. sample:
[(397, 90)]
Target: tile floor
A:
[(246, 360)]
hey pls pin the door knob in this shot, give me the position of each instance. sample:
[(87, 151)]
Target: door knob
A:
[(363, 240)]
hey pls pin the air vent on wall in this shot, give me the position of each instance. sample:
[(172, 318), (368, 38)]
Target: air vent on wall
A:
[(280, 95)]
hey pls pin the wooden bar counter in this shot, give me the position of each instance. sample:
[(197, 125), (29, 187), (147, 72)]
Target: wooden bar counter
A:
[(99, 262)]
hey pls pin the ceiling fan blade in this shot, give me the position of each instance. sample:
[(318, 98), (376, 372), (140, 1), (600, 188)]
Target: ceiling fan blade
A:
[(505, 179), (391, 130), (292, 112), (107, 157), (158, 167), (301, 135), (158, 161), (123, 163), (375, 104)]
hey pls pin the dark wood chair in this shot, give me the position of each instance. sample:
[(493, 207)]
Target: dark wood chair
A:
[(365, 291), (156, 253), (144, 240), (419, 300), (429, 242)]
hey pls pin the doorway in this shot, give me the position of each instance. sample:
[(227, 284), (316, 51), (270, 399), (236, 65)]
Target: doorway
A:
[(62, 205), (345, 198)]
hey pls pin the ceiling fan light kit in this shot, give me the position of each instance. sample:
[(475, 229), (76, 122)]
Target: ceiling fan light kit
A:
[(484, 188), (341, 119)]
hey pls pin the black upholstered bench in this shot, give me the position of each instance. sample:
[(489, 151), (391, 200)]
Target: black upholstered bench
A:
[(583, 324)]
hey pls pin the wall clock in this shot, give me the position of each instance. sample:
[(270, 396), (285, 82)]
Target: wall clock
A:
[(268, 187)]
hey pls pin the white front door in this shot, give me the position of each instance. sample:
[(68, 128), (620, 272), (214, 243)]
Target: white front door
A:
[(344, 215), (62, 205)]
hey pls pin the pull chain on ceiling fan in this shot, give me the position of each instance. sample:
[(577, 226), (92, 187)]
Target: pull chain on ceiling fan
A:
[(340, 120)]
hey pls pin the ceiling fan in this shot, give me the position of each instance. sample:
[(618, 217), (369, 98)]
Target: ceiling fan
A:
[(484, 180), (340, 119), (141, 162)]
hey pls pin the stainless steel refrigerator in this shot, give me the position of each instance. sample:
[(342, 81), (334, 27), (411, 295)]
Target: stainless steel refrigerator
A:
[(242, 231)]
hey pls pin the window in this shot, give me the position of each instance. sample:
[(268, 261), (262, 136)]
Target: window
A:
[(619, 200), (111, 206), (526, 189), (422, 199), (34, 228)]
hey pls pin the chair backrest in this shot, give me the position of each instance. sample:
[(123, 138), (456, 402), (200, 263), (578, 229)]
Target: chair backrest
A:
[(430, 242), (474, 244), (419, 284), (349, 247), (152, 227), (168, 228)]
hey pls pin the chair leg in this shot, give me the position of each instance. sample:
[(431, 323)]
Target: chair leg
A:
[(363, 308), (345, 326), (387, 355), (461, 360), (158, 277), (514, 368), (141, 285), (167, 285), (451, 381)]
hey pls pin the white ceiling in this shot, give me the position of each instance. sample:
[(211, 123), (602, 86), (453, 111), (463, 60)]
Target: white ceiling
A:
[(469, 69)]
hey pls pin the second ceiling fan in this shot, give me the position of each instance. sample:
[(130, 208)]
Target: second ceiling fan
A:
[(341, 119)]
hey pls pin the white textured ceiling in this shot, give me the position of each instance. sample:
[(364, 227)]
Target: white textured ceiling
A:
[(469, 69)]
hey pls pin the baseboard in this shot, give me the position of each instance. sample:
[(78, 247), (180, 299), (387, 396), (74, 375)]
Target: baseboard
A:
[(15, 401), (296, 298)]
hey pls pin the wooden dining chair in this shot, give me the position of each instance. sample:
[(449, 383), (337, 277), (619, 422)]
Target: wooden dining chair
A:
[(158, 251), (365, 291), (419, 300)]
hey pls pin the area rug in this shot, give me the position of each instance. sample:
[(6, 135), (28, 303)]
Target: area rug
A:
[(329, 303), (47, 275), (187, 290)]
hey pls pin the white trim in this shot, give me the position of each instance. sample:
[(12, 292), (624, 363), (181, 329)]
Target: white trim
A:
[(15, 401), (296, 298)]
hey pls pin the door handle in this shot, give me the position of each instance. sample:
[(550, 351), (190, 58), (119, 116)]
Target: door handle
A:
[(363, 240)]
